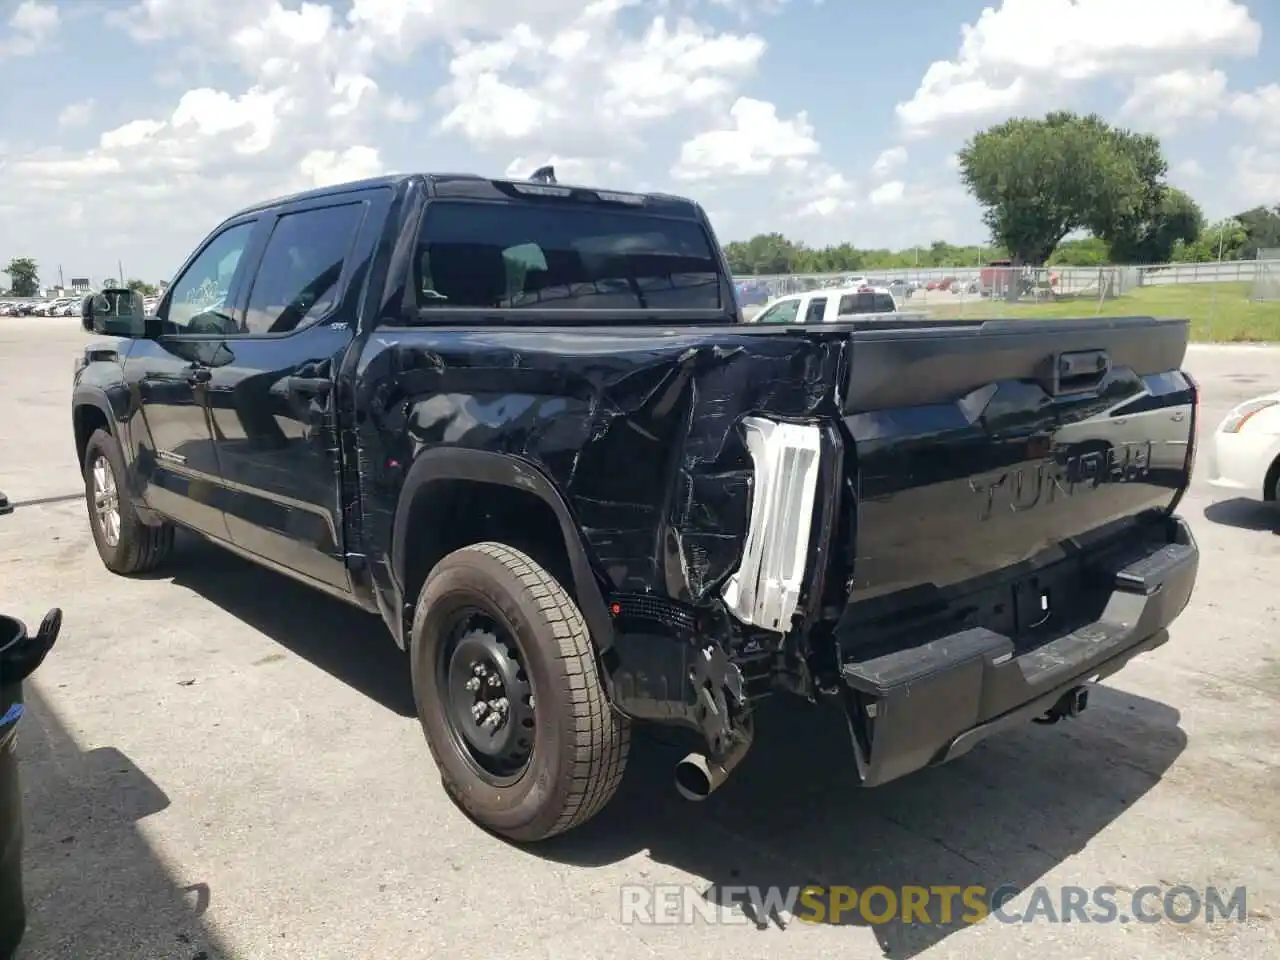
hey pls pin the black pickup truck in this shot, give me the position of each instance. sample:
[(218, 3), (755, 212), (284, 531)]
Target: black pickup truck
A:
[(525, 424)]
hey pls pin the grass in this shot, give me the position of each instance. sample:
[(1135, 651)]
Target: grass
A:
[(1219, 312)]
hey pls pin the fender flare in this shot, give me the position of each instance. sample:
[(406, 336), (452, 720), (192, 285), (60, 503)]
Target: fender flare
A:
[(440, 464), (90, 395)]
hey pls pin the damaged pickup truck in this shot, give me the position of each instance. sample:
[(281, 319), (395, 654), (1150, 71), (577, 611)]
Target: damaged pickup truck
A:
[(524, 424)]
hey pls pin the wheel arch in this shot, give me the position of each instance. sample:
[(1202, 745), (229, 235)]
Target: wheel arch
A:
[(1271, 482), (458, 496), (90, 411)]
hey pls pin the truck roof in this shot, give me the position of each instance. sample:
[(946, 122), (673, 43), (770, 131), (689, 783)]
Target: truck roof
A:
[(473, 186)]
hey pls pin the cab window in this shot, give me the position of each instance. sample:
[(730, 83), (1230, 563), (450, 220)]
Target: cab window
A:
[(783, 312)]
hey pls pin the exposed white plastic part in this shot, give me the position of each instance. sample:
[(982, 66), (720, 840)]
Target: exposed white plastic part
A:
[(765, 589)]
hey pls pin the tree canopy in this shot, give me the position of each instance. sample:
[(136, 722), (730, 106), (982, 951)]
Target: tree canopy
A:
[(1040, 180), (24, 277)]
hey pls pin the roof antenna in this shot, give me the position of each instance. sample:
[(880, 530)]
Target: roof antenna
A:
[(545, 174)]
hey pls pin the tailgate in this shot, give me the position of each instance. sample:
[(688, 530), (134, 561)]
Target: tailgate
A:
[(985, 450)]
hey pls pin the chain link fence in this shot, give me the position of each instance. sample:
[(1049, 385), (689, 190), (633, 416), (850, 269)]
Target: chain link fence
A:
[(1231, 300), (1266, 284)]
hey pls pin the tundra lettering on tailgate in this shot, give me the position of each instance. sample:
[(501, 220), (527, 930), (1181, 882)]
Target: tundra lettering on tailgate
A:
[(1026, 488)]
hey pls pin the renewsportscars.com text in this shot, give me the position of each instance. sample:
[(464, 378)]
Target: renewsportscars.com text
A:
[(675, 904)]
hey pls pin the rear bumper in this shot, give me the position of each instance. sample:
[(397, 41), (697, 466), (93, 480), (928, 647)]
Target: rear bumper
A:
[(925, 705)]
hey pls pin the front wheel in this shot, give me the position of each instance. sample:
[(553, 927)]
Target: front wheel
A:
[(509, 696), (125, 544)]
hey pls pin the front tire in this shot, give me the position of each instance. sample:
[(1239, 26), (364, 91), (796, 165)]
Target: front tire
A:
[(125, 544), (509, 696)]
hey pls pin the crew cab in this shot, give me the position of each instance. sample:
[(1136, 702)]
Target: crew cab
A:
[(524, 424)]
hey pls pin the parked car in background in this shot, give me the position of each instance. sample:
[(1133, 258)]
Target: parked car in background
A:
[(1244, 455), (829, 306), (750, 293)]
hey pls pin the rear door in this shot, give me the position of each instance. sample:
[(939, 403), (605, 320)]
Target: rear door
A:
[(271, 400)]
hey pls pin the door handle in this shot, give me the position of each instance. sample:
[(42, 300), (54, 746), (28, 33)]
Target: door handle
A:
[(199, 375), (308, 386)]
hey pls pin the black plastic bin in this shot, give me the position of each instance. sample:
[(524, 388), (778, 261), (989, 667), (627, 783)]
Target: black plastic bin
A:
[(20, 654)]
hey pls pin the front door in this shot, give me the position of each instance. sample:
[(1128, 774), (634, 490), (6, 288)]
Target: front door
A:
[(271, 403), (174, 459)]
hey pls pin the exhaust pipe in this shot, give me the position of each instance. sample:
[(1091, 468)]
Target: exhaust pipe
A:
[(697, 775)]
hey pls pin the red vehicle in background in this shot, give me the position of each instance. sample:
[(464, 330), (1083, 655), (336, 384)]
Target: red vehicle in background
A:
[(994, 278)]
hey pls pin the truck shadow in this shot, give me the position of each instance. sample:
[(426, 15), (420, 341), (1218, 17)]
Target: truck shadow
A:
[(1245, 514), (94, 887), (791, 815), (347, 643)]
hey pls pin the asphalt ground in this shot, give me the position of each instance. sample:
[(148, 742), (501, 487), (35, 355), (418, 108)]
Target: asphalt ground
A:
[(221, 763)]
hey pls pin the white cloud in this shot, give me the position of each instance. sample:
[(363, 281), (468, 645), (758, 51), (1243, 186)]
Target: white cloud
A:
[(579, 170), (76, 114), (757, 141), (887, 193), (132, 134), (1260, 110), (29, 28), (590, 83), (828, 195), (1025, 49), (400, 110), (889, 161), (324, 168), (1257, 176), (1187, 170), (1165, 102)]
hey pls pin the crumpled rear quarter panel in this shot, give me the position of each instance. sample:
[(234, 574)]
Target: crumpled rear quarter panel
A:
[(637, 427)]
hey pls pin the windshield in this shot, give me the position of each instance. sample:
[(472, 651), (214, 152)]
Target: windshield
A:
[(534, 255)]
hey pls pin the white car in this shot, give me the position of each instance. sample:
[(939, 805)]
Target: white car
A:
[(1244, 457), (829, 306)]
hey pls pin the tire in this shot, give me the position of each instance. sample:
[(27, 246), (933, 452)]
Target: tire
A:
[(579, 744), (137, 547)]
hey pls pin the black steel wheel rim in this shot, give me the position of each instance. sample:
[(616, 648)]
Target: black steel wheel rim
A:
[(486, 696)]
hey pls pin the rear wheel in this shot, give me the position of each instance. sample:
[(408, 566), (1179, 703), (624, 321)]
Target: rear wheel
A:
[(509, 696), (125, 544)]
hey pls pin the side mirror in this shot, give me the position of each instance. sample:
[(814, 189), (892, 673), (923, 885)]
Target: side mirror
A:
[(114, 312)]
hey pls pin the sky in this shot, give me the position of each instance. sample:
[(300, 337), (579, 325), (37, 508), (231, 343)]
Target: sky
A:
[(130, 128)]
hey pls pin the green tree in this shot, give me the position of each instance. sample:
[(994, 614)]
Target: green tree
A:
[(1224, 240), (1176, 219), (142, 287), (767, 253), (1262, 228), (24, 277), (1085, 252), (1040, 180)]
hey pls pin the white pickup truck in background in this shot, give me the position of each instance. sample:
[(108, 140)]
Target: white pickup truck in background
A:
[(828, 306)]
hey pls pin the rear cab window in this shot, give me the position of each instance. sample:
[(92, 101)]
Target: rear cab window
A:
[(529, 255), (855, 303)]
